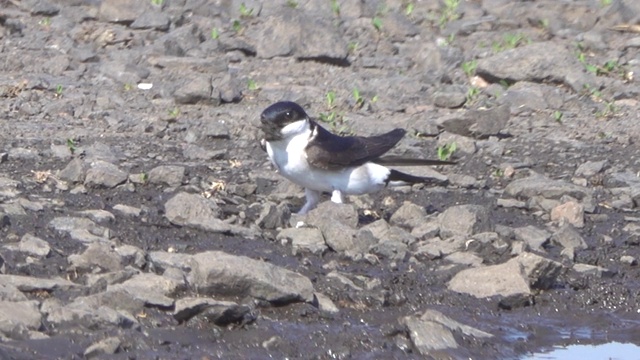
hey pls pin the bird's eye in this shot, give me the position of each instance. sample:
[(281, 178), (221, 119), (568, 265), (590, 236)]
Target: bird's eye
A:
[(287, 114)]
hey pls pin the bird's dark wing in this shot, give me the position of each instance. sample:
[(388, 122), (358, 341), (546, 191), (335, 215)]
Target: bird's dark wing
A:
[(326, 150)]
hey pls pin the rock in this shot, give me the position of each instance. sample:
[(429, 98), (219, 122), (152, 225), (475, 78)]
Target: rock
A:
[(34, 246), (535, 238), (31, 284), (504, 280), (591, 168), (337, 222), (104, 174), (541, 272), (592, 270), (167, 174), (9, 292), (325, 304), (464, 144), (570, 212), (196, 90), (217, 273), (433, 331), (127, 210), (408, 215), (540, 60), (152, 289), (108, 346), (478, 123), (74, 171), (449, 99), (464, 220), (152, 20), (304, 240), (100, 216), (629, 260), (193, 210), (568, 237), (464, 258), (19, 316), (122, 11), (221, 313), (538, 185), (180, 41), (97, 255), (86, 312), (273, 216)]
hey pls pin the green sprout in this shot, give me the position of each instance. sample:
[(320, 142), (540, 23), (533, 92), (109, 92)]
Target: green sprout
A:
[(173, 113), (335, 7), (472, 94), (449, 13), (71, 144), (409, 9), (375, 99), (292, 4), (215, 34), (509, 41), (127, 87), (45, 22), (252, 85), (244, 11), (469, 67), (445, 151), (331, 99), (377, 23), (157, 2), (557, 115), (353, 46), (236, 26), (144, 178), (59, 90), (358, 98)]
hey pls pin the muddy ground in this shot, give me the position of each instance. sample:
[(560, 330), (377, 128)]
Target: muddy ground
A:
[(527, 87)]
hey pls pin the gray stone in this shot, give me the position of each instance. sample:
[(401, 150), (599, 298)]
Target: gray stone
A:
[(538, 185), (429, 228), (19, 316), (570, 212), (567, 237), (464, 258), (98, 215), (540, 60), (629, 260), (409, 215), (193, 210), (325, 304), (449, 99), (464, 144), (478, 123), (9, 292), (30, 284), (195, 90), (122, 11), (74, 171), (504, 279), (127, 210), (273, 216), (464, 220), (152, 289), (97, 255), (104, 174), (152, 20), (337, 222), (541, 272), (304, 240), (108, 346), (218, 273), (34, 246), (195, 152), (534, 237), (109, 278), (179, 41), (592, 270), (218, 312), (162, 260), (591, 168), (86, 312), (171, 175)]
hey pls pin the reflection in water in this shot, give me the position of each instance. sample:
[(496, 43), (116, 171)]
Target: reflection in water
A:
[(609, 351)]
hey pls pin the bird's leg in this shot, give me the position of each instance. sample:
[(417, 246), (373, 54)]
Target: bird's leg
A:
[(336, 197), (313, 197)]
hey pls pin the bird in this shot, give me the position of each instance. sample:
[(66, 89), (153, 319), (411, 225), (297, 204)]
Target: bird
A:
[(309, 155)]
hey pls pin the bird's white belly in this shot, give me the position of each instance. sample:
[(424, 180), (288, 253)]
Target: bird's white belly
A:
[(290, 160)]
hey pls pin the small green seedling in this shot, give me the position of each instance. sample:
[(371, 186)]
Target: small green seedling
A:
[(292, 4), (449, 13), (445, 151), (331, 99), (236, 25), (469, 67), (252, 85), (174, 112), (557, 115), (244, 11), (157, 2), (358, 98), (215, 33), (409, 9), (59, 90), (71, 145), (377, 23), (335, 7)]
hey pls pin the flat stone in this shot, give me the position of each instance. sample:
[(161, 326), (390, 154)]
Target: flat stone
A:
[(19, 316), (171, 175), (304, 240), (538, 185), (570, 212), (108, 346), (218, 312), (534, 237), (218, 273), (464, 220), (34, 246), (104, 174)]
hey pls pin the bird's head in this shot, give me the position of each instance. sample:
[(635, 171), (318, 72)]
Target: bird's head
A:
[(283, 119)]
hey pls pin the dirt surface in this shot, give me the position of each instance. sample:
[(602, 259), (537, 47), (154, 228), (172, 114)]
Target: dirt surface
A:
[(72, 86)]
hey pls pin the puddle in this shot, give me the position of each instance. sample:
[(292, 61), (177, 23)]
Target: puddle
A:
[(609, 351)]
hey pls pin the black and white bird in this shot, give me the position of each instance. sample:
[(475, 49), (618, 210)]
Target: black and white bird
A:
[(314, 158)]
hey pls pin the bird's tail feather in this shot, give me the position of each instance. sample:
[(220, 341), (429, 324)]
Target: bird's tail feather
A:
[(399, 176), (400, 161)]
